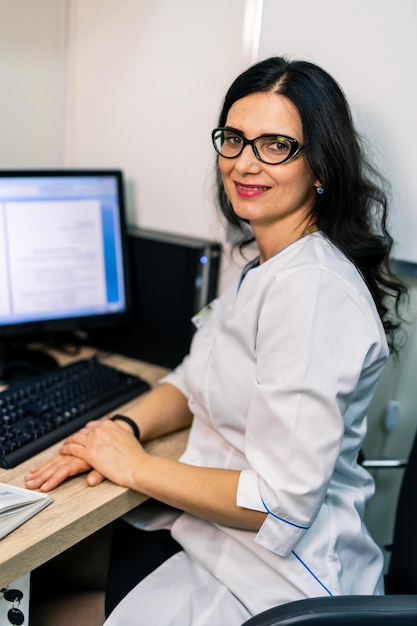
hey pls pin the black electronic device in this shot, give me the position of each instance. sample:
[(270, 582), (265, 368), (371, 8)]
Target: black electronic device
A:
[(172, 278), (39, 411), (63, 262)]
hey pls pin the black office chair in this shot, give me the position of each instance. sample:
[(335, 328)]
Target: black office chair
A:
[(398, 607)]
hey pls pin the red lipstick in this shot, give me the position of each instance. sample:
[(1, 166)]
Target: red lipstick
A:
[(250, 191)]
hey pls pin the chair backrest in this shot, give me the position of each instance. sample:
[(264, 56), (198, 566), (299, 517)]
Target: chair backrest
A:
[(402, 570), (341, 611)]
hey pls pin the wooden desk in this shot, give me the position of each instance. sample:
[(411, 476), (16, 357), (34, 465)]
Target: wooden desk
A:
[(77, 510)]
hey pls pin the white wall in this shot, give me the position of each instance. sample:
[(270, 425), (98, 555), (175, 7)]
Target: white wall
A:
[(146, 79), (31, 64)]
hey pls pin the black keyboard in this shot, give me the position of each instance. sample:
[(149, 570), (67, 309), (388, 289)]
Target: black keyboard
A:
[(48, 407)]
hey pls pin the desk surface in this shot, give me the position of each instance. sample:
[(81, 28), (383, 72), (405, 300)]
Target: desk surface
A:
[(77, 510)]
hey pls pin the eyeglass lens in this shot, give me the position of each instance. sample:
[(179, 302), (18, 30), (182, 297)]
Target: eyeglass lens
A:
[(269, 148)]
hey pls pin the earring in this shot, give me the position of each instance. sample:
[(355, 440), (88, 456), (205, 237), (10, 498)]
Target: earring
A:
[(320, 190)]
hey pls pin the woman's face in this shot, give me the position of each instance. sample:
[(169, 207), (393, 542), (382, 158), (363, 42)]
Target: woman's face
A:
[(268, 196)]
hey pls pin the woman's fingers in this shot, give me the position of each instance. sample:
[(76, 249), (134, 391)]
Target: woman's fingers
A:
[(51, 473), (94, 478)]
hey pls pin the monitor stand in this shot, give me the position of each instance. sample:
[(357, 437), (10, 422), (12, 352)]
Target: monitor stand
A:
[(18, 361)]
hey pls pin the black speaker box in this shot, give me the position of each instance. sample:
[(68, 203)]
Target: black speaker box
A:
[(172, 277)]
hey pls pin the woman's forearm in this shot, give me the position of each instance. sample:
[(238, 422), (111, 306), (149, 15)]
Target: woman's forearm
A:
[(160, 411), (209, 493)]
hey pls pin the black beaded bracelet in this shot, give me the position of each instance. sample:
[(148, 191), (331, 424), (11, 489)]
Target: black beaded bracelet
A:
[(128, 420)]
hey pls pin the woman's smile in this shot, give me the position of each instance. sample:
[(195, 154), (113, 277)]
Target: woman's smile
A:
[(249, 191)]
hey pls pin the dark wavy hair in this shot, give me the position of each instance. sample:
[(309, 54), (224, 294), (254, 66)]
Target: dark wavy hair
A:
[(353, 211)]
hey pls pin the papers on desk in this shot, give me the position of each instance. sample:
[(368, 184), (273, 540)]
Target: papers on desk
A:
[(17, 505)]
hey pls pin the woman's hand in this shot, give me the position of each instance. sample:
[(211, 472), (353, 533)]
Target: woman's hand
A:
[(108, 447), (55, 470)]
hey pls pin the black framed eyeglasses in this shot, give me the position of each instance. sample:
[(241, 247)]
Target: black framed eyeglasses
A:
[(270, 149)]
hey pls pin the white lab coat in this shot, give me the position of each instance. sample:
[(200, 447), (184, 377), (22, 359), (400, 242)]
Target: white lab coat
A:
[(279, 380)]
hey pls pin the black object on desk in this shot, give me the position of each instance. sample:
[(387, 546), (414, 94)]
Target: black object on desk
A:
[(18, 361), (38, 412), (172, 277)]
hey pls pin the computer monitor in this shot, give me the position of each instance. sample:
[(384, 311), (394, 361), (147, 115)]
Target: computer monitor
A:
[(63, 264)]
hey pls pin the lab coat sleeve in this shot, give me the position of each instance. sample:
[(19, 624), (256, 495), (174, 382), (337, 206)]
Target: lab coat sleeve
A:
[(315, 336), (176, 378)]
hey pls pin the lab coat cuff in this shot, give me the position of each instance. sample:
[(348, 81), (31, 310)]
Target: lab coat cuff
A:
[(279, 535), (276, 533), (248, 495)]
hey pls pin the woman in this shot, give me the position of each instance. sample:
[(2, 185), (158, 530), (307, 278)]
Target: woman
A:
[(279, 377)]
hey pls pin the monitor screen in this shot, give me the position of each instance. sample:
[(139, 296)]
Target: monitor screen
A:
[(62, 250)]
